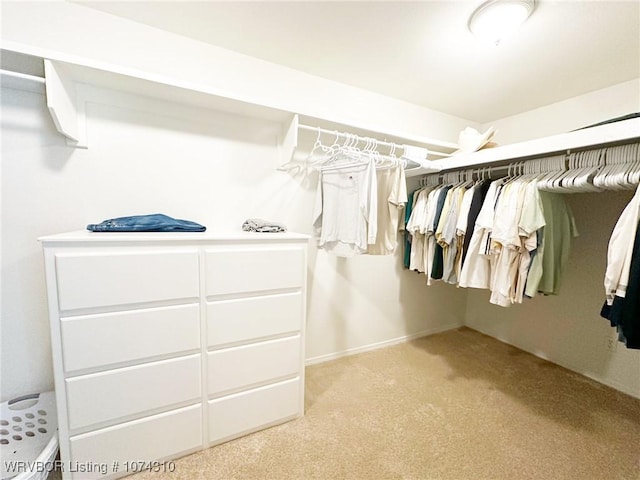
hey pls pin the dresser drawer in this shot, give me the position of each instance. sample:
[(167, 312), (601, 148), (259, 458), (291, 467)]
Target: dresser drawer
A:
[(238, 320), (166, 435), (245, 270), (108, 396), (245, 412), (107, 279), (91, 341), (238, 367)]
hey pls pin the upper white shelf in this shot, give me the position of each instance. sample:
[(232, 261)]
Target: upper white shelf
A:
[(66, 102), (64, 73), (611, 133), (197, 95)]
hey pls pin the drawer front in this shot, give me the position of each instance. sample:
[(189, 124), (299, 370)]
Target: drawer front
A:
[(245, 270), (105, 279), (248, 411), (107, 396), (248, 365), (169, 434), (243, 319), (91, 341)]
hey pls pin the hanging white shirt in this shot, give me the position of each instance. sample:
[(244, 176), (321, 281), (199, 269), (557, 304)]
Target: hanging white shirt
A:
[(392, 197), (476, 270), (620, 250), (346, 209), (463, 215), (448, 239), (429, 228), (461, 227), (414, 228), (506, 243), (531, 221)]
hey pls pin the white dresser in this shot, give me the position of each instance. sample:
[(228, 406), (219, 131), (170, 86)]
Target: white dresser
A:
[(167, 343)]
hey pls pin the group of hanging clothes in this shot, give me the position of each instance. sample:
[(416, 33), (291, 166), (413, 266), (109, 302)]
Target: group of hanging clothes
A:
[(359, 203), (505, 235), (435, 245), (622, 277)]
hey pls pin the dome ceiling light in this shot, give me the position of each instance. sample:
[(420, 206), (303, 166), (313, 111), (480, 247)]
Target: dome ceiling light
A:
[(496, 20)]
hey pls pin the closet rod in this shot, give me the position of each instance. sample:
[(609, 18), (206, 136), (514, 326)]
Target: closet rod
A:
[(379, 142), (22, 76), (506, 165), (488, 170), (22, 81)]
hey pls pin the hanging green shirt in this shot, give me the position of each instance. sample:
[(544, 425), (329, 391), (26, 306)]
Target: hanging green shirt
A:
[(553, 253)]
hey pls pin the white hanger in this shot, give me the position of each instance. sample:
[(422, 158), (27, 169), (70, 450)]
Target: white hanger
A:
[(634, 177), (626, 182), (600, 179), (555, 167), (565, 182), (617, 180), (292, 165), (583, 182)]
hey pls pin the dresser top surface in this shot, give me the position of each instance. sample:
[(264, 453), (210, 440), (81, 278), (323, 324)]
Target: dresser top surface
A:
[(187, 237)]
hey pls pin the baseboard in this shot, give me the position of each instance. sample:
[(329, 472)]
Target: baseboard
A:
[(374, 346), (603, 381)]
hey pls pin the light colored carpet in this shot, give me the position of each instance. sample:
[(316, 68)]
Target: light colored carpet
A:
[(457, 405)]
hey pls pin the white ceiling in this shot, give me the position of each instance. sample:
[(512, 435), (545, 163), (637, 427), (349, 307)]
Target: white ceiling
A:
[(420, 52)]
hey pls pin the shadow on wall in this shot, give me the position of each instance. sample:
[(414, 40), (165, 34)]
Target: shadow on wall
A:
[(428, 308), (328, 302), (370, 301), (33, 153), (509, 374), (27, 126), (327, 305), (284, 198), (567, 328)]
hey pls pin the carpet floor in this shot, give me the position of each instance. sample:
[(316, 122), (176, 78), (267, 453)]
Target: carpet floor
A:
[(456, 405)]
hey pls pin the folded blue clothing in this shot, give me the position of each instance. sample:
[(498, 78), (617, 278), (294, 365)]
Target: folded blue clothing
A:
[(156, 222)]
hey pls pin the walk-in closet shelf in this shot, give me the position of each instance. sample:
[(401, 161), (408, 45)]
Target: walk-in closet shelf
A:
[(188, 339), (66, 78), (625, 131)]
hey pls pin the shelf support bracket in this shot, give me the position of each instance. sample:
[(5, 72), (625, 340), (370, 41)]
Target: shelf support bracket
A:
[(67, 109), (289, 142)]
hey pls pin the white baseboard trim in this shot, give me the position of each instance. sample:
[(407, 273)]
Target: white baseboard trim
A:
[(603, 381), (374, 346)]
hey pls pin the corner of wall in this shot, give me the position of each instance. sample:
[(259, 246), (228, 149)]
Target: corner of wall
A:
[(569, 114)]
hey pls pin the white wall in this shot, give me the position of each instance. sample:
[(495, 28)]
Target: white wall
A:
[(71, 32), (153, 156), (567, 329), (150, 156), (570, 114), (218, 169)]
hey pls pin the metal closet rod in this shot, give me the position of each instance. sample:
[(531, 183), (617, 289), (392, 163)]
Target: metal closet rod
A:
[(492, 169), (361, 138), (489, 169), (22, 76), (480, 171)]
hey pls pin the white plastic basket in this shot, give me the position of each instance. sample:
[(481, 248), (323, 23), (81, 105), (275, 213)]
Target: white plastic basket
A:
[(28, 436)]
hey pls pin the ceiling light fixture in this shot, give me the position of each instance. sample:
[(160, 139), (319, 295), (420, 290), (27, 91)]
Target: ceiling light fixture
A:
[(496, 20)]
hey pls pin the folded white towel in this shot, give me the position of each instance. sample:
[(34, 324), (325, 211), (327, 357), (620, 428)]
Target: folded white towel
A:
[(263, 226)]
